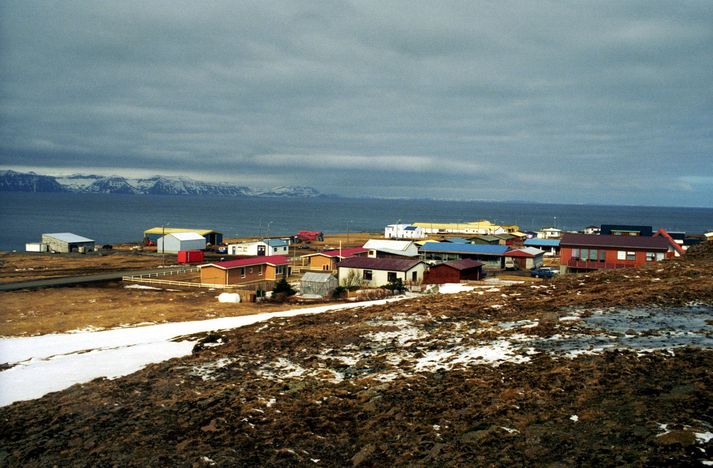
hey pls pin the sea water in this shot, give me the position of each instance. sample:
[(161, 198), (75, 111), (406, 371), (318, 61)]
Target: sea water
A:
[(113, 218)]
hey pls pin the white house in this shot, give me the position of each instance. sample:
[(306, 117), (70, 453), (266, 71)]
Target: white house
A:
[(375, 272), (549, 233), (265, 247), (404, 231), (177, 241), (391, 248)]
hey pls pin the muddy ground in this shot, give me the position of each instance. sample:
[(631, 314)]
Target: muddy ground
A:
[(466, 379), (29, 266)]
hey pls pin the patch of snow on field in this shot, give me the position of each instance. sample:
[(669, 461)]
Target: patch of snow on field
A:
[(49, 363), (493, 353), (141, 286), (453, 288)]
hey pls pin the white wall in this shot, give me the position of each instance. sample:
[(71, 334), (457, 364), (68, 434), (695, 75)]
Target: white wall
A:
[(251, 248), (170, 244), (380, 277)]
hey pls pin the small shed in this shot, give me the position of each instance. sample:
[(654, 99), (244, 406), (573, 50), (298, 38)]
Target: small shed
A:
[(319, 284), (191, 256), (454, 272), (177, 241), (65, 242)]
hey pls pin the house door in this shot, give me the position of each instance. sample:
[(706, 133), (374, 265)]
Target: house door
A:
[(261, 250), (414, 277)]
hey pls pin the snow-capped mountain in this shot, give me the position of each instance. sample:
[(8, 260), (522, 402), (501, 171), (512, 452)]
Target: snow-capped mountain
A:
[(11, 181)]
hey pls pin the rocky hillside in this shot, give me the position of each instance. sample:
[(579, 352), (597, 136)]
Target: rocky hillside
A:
[(11, 181), (598, 369)]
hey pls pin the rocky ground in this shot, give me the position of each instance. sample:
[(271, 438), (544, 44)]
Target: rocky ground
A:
[(599, 369)]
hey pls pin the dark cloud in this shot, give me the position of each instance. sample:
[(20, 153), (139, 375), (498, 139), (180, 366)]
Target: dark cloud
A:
[(605, 102)]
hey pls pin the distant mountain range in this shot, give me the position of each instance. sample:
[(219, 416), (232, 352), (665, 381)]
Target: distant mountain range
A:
[(12, 181)]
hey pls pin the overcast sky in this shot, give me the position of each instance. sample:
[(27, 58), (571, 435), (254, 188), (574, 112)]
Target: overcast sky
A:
[(582, 102)]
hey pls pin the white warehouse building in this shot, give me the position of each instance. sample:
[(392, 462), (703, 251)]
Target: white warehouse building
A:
[(177, 241)]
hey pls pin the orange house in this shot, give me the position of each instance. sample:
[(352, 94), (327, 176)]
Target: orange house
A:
[(329, 259), (246, 270)]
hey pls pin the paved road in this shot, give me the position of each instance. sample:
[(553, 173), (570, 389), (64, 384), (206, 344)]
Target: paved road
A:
[(71, 280)]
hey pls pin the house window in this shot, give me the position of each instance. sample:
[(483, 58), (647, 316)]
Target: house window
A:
[(602, 255), (367, 275), (621, 254), (659, 256), (259, 270), (575, 254), (650, 256), (250, 270), (325, 267), (631, 256), (242, 272), (593, 255), (391, 276), (280, 270)]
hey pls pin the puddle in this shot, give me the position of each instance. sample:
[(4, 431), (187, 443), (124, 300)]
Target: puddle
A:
[(640, 328)]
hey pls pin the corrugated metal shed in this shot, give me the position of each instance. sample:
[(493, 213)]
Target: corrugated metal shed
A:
[(186, 236), (68, 237)]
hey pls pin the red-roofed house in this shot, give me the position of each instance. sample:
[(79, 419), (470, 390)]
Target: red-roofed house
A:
[(329, 259), (245, 270), (581, 252), (526, 258), (454, 272)]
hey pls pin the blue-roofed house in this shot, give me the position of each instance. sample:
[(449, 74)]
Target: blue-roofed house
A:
[(492, 256), (550, 246), (265, 247)]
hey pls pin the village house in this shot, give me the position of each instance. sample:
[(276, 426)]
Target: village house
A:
[(626, 230), (454, 272), (380, 248), (581, 252), (245, 270), (180, 241), (403, 231), (524, 259), (329, 259), (152, 235), (550, 246), (375, 272), (549, 233), (490, 255), (266, 247)]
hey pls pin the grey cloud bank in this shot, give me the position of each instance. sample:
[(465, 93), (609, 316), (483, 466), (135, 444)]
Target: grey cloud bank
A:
[(586, 102)]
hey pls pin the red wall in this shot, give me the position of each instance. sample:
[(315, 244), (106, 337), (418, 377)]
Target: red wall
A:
[(443, 274), (610, 256)]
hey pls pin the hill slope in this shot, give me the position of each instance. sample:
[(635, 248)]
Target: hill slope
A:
[(577, 371)]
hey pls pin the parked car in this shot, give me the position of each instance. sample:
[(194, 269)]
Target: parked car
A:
[(542, 272)]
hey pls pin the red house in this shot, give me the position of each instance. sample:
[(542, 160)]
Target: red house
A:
[(454, 272), (582, 252)]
